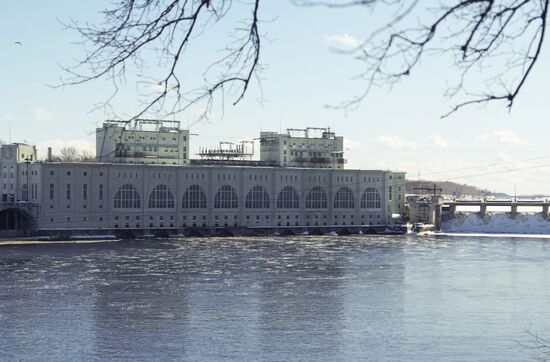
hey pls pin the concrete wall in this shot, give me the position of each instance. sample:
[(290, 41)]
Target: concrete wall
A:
[(289, 151), (76, 201), (143, 147)]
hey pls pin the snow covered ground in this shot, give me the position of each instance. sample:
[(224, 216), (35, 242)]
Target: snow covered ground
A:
[(526, 223)]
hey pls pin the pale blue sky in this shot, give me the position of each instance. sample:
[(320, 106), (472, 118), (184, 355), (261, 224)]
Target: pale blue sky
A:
[(399, 129)]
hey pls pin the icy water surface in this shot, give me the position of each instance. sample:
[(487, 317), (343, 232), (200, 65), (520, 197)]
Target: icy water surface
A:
[(464, 298)]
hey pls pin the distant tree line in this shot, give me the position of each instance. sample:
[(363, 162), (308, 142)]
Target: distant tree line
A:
[(449, 188), (72, 154)]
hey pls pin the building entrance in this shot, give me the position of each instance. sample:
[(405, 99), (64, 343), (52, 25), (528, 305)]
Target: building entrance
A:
[(15, 222)]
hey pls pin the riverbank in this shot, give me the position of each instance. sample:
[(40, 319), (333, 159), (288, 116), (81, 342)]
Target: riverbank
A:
[(44, 241)]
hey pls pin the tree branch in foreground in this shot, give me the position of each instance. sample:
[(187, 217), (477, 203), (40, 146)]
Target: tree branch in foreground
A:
[(167, 29), (493, 42)]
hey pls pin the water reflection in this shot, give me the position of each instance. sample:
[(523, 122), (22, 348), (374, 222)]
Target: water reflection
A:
[(140, 301), (42, 307), (301, 299), (304, 298)]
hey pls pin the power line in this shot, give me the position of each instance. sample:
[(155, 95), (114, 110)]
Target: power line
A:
[(487, 165), (504, 171)]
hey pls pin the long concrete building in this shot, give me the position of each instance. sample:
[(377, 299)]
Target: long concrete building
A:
[(78, 198)]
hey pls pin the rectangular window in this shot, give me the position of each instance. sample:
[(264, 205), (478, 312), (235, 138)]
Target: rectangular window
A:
[(85, 192), (68, 191), (390, 194), (51, 191), (100, 196)]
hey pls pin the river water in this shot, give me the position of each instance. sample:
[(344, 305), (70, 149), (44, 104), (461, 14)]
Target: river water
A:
[(374, 298)]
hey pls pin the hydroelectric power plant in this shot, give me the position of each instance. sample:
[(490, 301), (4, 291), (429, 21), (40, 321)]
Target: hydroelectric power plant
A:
[(143, 182)]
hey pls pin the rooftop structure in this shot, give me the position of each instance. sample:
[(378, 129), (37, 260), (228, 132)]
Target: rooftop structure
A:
[(311, 147), (10, 156), (228, 151), (230, 154), (64, 198), (18, 152), (143, 141)]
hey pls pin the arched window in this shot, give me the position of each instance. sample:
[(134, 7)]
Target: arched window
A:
[(288, 198), (370, 199), (161, 198), (226, 198), (194, 198), (343, 199), (316, 199), (127, 197), (257, 198)]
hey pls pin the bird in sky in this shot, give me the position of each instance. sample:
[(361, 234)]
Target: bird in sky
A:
[(18, 43)]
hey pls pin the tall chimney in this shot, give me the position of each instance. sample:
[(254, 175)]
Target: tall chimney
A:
[(49, 154)]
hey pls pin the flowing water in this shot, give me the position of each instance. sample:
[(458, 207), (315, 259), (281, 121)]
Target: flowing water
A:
[(464, 298)]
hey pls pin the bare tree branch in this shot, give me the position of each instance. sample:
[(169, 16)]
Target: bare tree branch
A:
[(69, 154), (168, 28), (537, 345), (494, 45), (501, 35)]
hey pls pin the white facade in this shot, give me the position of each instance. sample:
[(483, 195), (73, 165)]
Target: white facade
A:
[(150, 193), (95, 196), (122, 143), (14, 157), (395, 182), (303, 150), (134, 196)]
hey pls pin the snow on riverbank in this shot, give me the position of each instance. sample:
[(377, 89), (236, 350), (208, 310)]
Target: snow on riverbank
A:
[(497, 223)]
